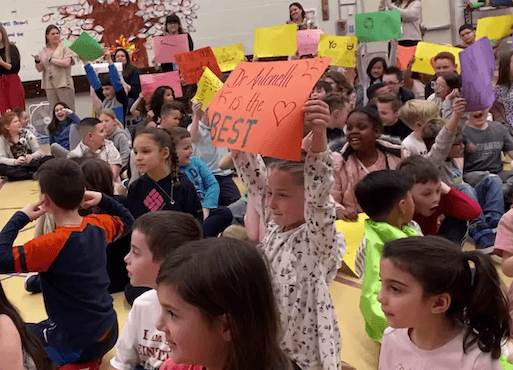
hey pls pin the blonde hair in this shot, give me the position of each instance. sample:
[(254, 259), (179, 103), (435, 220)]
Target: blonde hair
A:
[(109, 112), (7, 45), (418, 110)]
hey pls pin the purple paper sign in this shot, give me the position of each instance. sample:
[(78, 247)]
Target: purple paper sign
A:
[(477, 68), (307, 41), (166, 47)]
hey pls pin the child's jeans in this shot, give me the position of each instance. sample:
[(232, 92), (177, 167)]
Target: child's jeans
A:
[(63, 356), (489, 194)]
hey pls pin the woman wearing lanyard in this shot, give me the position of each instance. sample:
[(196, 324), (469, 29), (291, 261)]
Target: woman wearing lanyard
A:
[(55, 61)]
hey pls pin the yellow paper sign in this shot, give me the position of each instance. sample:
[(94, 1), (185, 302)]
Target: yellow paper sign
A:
[(494, 27), (276, 41), (425, 53), (229, 56), (341, 49), (208, 86), (353, 233)]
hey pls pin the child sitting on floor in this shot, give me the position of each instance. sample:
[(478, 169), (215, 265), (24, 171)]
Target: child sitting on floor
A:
[(301, 242), (415, 114), (93, 144), (216, 218), (386, 198), (20, 349), (20, 153), (485, 142), (445, 144), (445, 307), (218, 309), (141, 345), (435, 199), (82, 324), (63, 130), (108, 88), (114, 132), (211, 155), (363, 153)]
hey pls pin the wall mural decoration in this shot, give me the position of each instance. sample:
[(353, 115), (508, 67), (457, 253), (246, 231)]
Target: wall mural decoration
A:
[(130, 24)]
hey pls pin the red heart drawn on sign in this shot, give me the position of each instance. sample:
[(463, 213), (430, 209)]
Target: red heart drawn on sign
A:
[(282, 111)]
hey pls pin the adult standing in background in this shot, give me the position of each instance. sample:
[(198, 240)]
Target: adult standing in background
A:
[(297, 15), (12, 94), (174, 27), (411, 15), (130, 74), (55, 61)]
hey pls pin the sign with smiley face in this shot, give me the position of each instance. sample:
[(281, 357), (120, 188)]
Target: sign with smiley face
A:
[(378, 26), (341, 50)]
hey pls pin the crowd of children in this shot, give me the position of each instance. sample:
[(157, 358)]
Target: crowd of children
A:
[(142, 208)]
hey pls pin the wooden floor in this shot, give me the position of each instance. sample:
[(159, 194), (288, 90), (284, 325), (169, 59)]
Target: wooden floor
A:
[(357, 348)]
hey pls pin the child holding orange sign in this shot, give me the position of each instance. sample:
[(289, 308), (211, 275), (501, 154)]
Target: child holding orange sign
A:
[(301, 242)]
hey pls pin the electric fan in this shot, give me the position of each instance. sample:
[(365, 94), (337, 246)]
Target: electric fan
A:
[(40, 118)]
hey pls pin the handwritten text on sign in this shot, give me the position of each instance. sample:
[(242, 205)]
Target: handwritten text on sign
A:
[(342, 49), (477, 68), (229, 56), (191, 64), (166, 47), (260, 107), (208, 85)]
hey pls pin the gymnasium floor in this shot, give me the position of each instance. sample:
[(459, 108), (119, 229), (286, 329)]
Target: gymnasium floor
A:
[(357, 349)]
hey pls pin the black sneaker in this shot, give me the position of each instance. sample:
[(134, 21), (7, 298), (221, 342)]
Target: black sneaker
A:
[(33, 284)]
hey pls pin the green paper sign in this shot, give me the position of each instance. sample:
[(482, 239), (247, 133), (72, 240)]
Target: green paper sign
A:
[(87, 47), (67, 43), (378, 26)]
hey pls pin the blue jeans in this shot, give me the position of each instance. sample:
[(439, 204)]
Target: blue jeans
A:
[(488, 193)]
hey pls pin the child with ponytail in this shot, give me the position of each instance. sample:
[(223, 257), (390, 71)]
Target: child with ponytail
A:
[(446, 308)]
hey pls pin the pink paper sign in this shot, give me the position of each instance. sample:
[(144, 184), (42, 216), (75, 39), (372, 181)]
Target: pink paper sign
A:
[(307, 41), (166, 47), (149, 82)]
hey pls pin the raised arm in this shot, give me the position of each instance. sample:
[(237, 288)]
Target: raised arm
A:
[(445, 138), (193, 127), (320, 212), (122, 221)]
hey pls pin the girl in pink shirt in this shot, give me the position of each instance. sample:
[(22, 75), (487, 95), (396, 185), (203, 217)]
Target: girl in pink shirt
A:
[(446, 308)]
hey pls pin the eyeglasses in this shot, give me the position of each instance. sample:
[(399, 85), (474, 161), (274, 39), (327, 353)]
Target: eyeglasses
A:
[(435, 85)]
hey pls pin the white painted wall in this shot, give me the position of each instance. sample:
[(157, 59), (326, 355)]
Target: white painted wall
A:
[(224, 22)]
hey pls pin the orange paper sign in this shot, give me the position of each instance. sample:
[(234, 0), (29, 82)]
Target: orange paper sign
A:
[(260, 107), (404, 55), (191, 64)]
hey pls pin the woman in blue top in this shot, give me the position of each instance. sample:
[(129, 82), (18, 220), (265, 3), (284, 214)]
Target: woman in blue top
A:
[(63, 130), (130, 74)]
